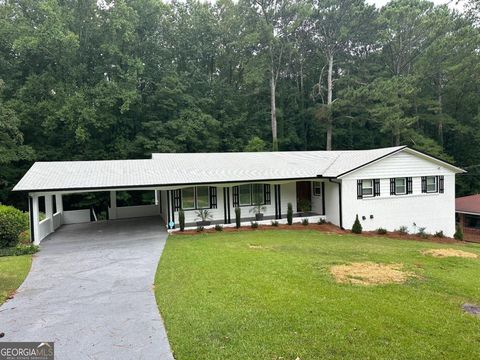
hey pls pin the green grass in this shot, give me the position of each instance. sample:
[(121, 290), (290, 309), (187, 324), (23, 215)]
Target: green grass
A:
[(13, 270), (220, 299)]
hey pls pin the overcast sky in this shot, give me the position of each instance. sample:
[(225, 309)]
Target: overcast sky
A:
[(454, 4)]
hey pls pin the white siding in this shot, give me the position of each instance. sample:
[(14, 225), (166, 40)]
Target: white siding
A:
[(332, 203), (401, 164), (435, 212)]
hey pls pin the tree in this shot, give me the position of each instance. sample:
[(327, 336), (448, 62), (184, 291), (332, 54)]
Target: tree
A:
[(340, 28)]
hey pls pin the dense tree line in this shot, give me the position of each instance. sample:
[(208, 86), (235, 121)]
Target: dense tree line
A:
[(87, 79)]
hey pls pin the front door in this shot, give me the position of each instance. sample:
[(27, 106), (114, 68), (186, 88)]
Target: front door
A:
[(304, 196)]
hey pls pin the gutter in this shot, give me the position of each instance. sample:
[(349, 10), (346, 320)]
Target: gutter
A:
[(340, 210)]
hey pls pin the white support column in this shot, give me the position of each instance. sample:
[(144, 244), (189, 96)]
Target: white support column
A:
[(49, 210), (157, 197), (35, 220), (113, 205), (59, 202)]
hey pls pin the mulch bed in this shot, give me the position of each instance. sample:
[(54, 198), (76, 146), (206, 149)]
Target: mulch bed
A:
[(326, 228)]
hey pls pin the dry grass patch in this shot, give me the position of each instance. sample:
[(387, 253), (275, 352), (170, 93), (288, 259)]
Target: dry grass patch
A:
[(368, 273), (449, 253)]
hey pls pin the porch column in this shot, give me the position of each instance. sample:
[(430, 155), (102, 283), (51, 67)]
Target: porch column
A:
[(113, 205), (226, 205), (49, 210), (278, 202), (157, 197), (34, 219)]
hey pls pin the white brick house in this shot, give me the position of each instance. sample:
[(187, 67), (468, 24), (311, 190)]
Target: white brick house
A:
[(388, 188)]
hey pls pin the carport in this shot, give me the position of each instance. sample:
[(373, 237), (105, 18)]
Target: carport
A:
[(47, 183)]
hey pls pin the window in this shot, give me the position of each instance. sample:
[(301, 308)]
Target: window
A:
[(251, 194), (367, 188), (400, 186), (195, 198), (188, 198), (257, 194), (245, 194), (432, 184), (317, 188)]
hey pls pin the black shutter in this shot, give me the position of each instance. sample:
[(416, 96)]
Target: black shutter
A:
[(409, 185), (266, 194), (441, 184), (213, 197), (177, 197), (235, 196), (424, 184), (392, 186), (359, 189), (376, 187)]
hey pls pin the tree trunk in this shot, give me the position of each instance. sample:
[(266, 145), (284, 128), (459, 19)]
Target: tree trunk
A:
[(440, 113), (329, 102), (273, 111)]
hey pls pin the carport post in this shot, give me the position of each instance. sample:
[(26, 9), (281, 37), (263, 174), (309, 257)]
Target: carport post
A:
[(113, 205), (34, 219), (49, 210), (59, 201)]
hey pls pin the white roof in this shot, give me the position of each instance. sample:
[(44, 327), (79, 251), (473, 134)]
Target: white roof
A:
[(169, 169)]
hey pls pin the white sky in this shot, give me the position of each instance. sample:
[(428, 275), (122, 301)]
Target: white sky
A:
[(453, 4)]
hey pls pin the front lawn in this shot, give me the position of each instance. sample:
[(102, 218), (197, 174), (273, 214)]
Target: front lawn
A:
[(270, 295), (13, 270)]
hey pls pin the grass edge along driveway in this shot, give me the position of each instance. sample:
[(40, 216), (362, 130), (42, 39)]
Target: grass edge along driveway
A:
[(270, 295), (13, 271)]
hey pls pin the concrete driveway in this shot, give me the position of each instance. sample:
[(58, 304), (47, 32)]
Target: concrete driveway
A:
[(90, 290)]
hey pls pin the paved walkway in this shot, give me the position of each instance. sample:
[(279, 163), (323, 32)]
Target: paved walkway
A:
[(90, 290)]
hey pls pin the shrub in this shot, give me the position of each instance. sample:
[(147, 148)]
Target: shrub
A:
[(439, 234), (458, 233), (181, 219), (289, 214), (357, 227), (403, 230), (381, 231), (305, 222), (20, 249), (254, 224), (24, 237), (321, 221), (12, 223), (421, 232), (274, 223), (218, 227), (238, 213), (200, 228)]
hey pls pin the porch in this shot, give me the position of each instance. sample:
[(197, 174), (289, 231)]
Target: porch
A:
[(313, 199)]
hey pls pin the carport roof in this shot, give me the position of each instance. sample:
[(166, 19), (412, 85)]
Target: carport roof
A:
[(169, 169)]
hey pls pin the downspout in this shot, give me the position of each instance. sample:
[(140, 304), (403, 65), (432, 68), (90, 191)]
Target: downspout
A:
[(339, 183)]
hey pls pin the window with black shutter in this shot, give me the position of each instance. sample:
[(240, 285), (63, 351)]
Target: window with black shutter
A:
[(266, 194), (177, 195), (409, 185), (235, 196), (441, 184), (392, 186), (213, 197), (359, 189), (424, 184), (376, 187)]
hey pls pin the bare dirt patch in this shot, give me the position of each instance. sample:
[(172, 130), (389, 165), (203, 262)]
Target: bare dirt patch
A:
[(449, 253), (368, 273)]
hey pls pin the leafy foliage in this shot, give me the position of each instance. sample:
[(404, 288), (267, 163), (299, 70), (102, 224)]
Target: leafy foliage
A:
[(289, 214), (82, 80), (12, 223), (357, 227)]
